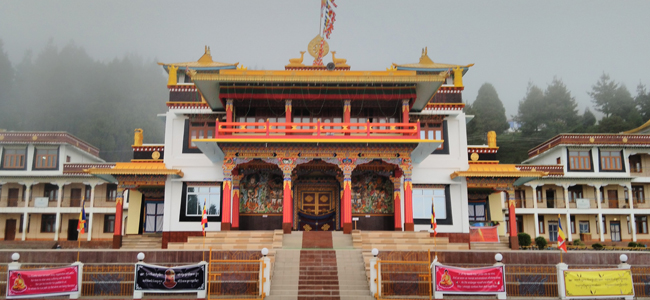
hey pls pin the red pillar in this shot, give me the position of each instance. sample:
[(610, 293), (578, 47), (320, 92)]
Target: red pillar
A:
[(229, 113), (287, 112), (396, 200), (346, 204), (117, 229), (406, 108), (514, 240), (407, 169), (287, 206), (346, 113), (235, 201), (225, 216)]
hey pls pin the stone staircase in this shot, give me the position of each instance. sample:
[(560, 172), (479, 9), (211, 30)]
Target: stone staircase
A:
[(353, 283), (502, 245), (398, 241), (145, 241)]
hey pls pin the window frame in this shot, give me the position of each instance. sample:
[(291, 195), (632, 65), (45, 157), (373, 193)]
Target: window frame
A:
[(635, 163), (613, 163), (449, 219), (11, 158), (51, 191), (583, 222), (582, 160), (541, 224), (111, 192), (107, 222), (48, 221), (573, 224), (575, 192), (641, 224), (182, 215), (638, 190), (202, 127), (51, 157), (198, 194)]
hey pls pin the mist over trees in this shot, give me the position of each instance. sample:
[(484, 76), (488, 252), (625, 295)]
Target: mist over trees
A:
[(100, 102), (543, 114)]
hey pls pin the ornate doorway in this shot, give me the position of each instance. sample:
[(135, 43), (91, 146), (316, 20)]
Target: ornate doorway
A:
[(317, 205)]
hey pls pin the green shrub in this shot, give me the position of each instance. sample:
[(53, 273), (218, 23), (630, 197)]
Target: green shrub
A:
[(632, 244), (597, 246), (524, 239), (640, 245), (541, 243), (578, 242)]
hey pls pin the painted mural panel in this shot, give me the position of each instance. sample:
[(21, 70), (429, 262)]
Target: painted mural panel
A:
[(372, 194), (261, 193)]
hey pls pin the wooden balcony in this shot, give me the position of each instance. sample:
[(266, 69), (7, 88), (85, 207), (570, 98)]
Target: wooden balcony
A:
[(316, 133), (317, 130)]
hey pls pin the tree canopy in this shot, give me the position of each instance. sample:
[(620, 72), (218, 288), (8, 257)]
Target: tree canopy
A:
[(489, 113), (616, 103)]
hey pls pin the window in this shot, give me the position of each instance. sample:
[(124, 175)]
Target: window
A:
[(46, 159), (109, 223), (579, 160), (429, 131), (540, 220), (637, 194), (641, 224), (584, 227), (422, 199), (575, 192), (47, 223), (111, 192), (604, 225), (87, 191), (477, 212), (29, 223), (520, 198), (200, 130), (610, 160), (573, 224), (635, 164), (197, 195), (14, 158), (51, 191), (552, 231), (539, 195)]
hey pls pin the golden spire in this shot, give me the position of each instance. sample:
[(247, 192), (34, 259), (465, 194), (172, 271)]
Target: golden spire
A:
[(424, 59), (207, 57)]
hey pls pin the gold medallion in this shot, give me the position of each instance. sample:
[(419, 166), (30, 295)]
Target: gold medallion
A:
[(314, 45)]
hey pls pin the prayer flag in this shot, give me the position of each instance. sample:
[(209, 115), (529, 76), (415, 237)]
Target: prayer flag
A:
[(204, 217), (434, 224), (561, 238), (81, 225)]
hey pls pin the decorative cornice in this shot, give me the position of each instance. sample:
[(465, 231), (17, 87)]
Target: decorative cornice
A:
[(148, 148), (187, 105), (552, 170), (290, 76), (590, 140), (471, 149), (182, 88), (444, 106)]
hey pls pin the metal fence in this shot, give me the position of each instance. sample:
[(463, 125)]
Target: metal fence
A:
[(234, 278)]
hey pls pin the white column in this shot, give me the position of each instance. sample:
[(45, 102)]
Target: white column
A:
[(534, 186), (536, 216), (28, 189), (92, 210), (601, 226), (566, 195), (568, 214), (630, 198), (57, 224)]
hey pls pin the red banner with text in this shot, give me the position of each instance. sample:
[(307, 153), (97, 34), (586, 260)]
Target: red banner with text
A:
[(484, 234), (487, 280), (35, 283)]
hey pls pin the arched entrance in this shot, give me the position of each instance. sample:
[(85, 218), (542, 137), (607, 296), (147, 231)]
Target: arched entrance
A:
[(317, 194)]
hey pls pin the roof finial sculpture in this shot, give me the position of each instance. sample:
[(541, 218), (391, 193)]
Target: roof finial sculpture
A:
[(424, 59), (137, 137)]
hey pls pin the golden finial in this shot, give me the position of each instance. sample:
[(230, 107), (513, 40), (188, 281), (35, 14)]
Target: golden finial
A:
[(458, 76), (173, 75), (137, 137), (242, 68), (297, 62), (424, 59), (492, 139), (392, 68)]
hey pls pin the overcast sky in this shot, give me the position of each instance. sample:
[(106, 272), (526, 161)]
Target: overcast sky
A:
[(511, 42)]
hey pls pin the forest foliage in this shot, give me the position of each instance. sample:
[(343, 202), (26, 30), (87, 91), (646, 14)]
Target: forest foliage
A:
[(544, 113), (64, 89)]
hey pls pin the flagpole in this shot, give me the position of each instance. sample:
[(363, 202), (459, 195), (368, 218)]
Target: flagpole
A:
[(79, 229)]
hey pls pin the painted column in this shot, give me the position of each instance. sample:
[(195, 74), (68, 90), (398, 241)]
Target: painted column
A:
[(287, 165), (396, 199), (407, 171), (119, 208), (229, 113), (92, 210), (57, 223), (287, 112), (347, 165), (406, 108), (228, 165), (235, 200), (346, 114), (28, 189), (514, 241)]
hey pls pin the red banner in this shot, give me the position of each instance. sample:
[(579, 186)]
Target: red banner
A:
[(452, 280), (484, 234), (34, 283)]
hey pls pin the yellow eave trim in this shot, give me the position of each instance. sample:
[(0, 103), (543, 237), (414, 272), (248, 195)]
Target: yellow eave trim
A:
[(316, 76), (517, 174)]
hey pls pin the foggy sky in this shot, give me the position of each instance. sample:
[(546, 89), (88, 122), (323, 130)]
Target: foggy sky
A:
[(511, 42)]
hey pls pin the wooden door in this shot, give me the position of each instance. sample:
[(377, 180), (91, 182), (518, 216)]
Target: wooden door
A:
[(550, 198), (615, 229), (73, 234), (10, 230), (317, 210), (13, 198), (75, 198), (317, 203), (612, 198)]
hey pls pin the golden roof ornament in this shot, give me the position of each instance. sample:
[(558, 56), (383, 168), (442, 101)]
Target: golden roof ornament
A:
[(314, 46), (424, 59), (207, 57), (339, 62), (297, 62)]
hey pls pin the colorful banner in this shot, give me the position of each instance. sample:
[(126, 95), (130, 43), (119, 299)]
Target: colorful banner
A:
[(488, 234), (159, 279), (487, 280), (43, 282), (598, 283)]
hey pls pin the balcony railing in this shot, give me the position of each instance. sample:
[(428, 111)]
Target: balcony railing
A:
[(318, 129)]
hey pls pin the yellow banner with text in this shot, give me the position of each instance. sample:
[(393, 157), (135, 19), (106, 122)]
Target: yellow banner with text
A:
[(598, 282)]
